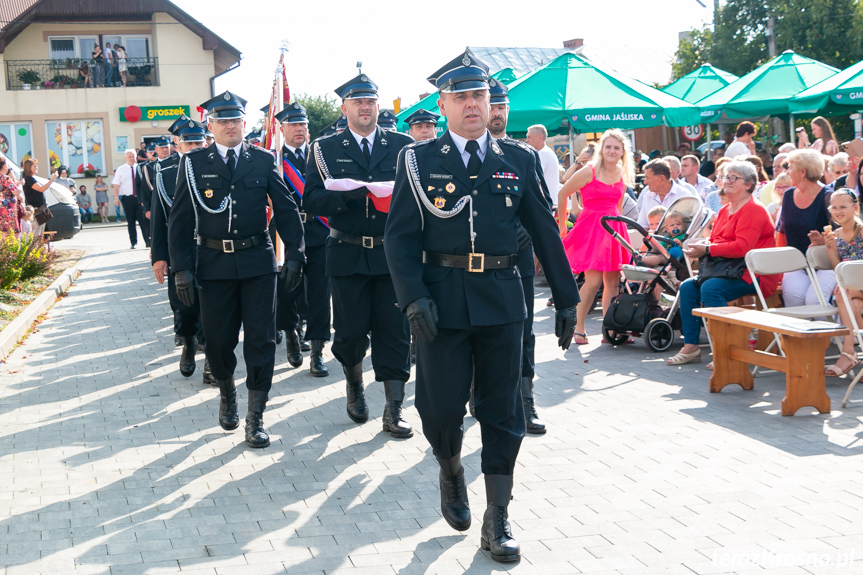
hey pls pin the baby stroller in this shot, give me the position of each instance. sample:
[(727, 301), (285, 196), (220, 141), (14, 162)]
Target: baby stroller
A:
[(639, 312)]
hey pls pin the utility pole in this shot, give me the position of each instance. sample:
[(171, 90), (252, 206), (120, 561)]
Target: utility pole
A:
[(771, 47)]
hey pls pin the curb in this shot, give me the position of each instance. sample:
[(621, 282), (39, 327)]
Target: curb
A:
[(19, 326)]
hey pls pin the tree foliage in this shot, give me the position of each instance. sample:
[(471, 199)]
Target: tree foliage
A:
[(322, 111), (830, 31)]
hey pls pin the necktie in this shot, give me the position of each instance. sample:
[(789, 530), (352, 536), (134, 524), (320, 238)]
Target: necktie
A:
[(300, 154), (366, 152), (231, 161), (473, 163), (135, 180)]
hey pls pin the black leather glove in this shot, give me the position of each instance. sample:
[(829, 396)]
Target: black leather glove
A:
[(522, 236), (292, 274), (564, 326), (186, 284), (357, 194), (422, 315)]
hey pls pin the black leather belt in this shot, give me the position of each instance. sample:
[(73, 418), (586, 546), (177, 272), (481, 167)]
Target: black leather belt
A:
[(303, 216), (471, 262), (365, 241), (230, 246)]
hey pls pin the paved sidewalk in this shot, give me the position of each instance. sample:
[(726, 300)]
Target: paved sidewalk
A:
[(111, 462)]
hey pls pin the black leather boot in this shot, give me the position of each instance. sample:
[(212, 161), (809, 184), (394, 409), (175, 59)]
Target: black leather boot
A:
[(357, 408), (187, 357), (279, 336), (209, 379), (531, 419), (229, 419), (453, 493), (304, 343), (392, 420), (496, 534), (178, 340), (316, 360), (413, 348), (292, 342), (256, 435)]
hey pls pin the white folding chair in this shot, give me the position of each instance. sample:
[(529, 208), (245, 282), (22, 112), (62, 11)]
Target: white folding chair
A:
[(770, 261), (818, 260), (849, 275)]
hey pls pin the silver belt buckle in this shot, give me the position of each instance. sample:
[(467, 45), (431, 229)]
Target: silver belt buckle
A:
[(228, 246), (303, 216), (368, 242), (476, 262)]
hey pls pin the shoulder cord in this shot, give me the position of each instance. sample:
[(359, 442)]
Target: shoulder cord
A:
[(422, 200), (321, 163), (196, 197), (160, 187)]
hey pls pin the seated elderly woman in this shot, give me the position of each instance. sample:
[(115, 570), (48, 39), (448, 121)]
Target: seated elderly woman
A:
[(741, 225), (802, 217)]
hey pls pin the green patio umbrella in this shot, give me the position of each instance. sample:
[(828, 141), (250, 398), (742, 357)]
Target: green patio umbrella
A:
[(841, 93), (507, 75), (699, 83), (766, 90), (572, 93)]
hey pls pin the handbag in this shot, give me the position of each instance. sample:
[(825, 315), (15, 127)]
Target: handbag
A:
[(628, 312), (719, 267), (42, 214)]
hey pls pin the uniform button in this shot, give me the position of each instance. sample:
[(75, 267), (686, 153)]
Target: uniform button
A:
[(473, 192), (235, 216), (338, 209), (373, 216), (370, 178), (234, 202), (232, 187), (236, 232), (475, 214)]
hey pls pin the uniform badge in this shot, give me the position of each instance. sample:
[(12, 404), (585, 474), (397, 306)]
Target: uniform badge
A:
[(384, 143), (508, 201), (439, 202), (450, 187), (465, 61), (208, 193), (445, 149), (346, 143), (430, 189)]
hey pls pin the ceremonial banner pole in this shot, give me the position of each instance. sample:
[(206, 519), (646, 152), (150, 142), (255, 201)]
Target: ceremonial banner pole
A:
[(276, 105)]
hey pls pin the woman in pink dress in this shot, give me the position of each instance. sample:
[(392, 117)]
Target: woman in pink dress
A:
[(591, 249)]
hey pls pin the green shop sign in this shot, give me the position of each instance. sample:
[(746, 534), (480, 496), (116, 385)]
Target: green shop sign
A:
[(135, 113)]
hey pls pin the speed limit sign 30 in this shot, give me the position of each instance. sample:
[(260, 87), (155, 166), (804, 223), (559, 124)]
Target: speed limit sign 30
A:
[(692, 133)]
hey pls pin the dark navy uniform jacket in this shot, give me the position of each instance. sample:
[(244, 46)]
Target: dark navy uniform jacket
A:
[(316, 232), (505, 191), (146, 183), (255, 178), (344, 159), (166, 173)]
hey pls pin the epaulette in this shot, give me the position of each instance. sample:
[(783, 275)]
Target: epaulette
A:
[(516, 143), (269, 153), (195, 151), (418, 144)]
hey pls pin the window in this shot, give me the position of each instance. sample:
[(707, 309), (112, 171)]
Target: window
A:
[(136, 46), (63, 47), (76, 144), (16, 141)]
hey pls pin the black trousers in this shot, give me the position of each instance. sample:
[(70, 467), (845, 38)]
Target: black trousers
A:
[(187, 320), (135, 213), (225, 306), (313, 295), (528, 337), (363, 304), (492, 357)]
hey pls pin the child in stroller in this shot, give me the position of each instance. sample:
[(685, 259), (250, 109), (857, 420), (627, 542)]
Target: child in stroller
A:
[(676, 225)]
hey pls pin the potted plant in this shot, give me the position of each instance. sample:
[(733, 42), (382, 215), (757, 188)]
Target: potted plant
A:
[(48, 85), (28, 77), (91, 173)]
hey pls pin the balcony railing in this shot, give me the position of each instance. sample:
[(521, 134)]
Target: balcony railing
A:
[(78, 73)]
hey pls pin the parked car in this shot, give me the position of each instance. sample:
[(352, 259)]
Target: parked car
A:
[(67, 219)]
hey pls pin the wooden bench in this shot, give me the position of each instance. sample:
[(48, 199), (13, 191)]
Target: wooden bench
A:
[(803, 363)]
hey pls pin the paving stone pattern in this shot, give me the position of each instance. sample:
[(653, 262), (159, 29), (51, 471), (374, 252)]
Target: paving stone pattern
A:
[(113, 463)]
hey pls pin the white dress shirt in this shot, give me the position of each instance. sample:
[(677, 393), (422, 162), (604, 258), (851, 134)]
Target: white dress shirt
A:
[(460, 143), (648, 200), (223, 151), (124, 177), (359, 139), (550, 170), (293, 150)]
